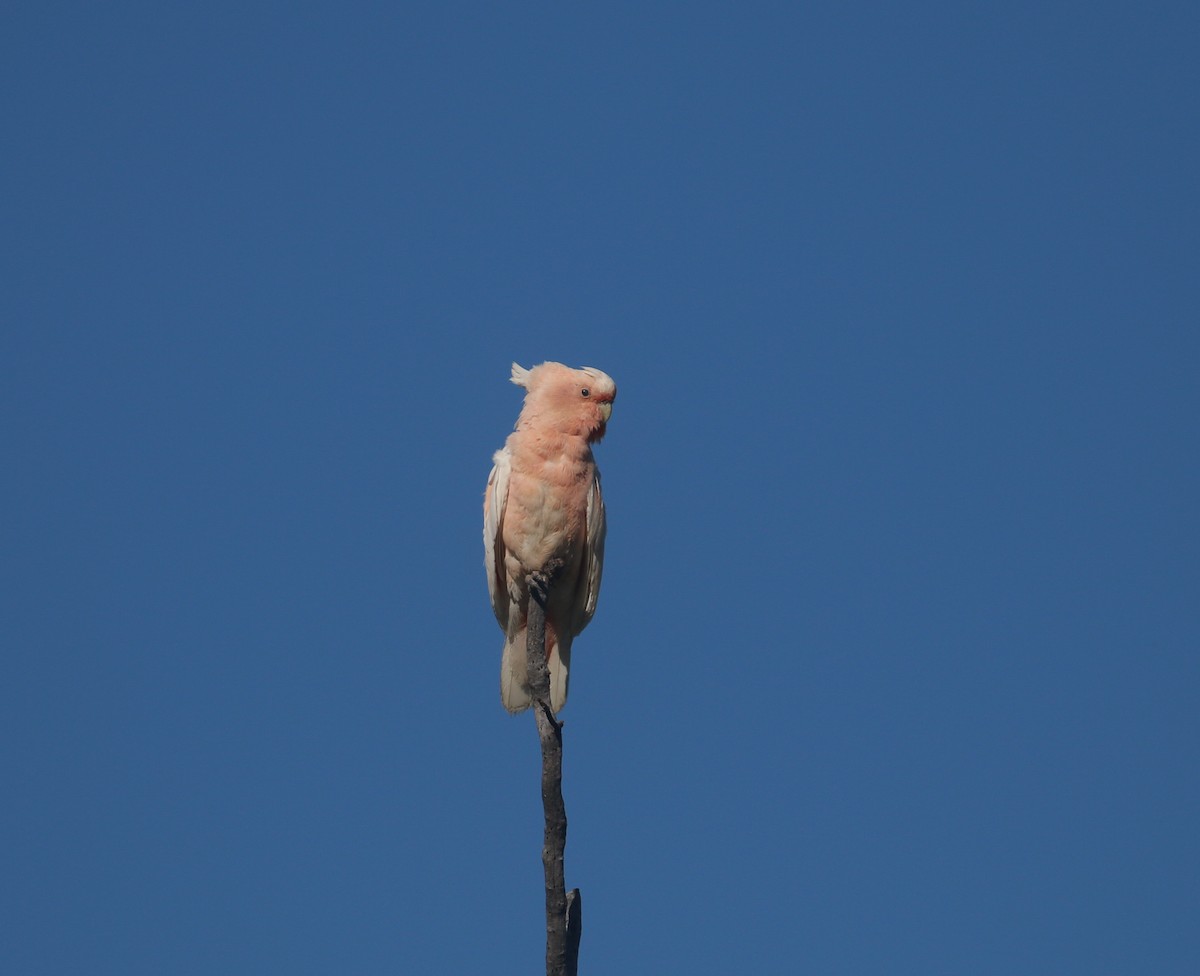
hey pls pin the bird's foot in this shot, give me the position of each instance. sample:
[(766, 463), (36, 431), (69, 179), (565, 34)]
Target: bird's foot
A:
[(540, 581), (539, 587)]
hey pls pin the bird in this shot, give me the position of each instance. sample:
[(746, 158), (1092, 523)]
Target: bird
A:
[(543, 512)]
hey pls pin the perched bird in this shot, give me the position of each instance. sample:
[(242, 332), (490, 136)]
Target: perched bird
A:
[(543, 512)]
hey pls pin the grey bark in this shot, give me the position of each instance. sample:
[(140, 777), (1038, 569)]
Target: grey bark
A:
[(562, 936)]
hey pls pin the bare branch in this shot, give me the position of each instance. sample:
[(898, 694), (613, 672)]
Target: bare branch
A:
[(562, 950)]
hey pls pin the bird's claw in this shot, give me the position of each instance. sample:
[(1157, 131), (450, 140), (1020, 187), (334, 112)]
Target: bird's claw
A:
[(540, 581), (539, 587)]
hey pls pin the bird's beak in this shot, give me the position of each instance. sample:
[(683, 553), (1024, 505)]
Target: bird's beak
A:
[(606, 411)]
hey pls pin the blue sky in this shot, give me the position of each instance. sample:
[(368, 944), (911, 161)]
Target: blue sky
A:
[(895, 665)]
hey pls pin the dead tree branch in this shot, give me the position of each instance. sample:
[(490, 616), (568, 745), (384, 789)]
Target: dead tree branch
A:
[(562, 938)]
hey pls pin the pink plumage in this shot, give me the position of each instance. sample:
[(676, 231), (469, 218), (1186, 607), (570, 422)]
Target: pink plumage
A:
[(543, 505)]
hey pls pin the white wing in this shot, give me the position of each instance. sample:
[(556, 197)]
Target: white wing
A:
[(593, 557), (493, 536)]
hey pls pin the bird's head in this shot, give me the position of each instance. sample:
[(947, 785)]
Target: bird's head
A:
[(573, 401)]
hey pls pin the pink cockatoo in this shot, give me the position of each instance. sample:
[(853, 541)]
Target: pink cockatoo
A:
[(543, 511)]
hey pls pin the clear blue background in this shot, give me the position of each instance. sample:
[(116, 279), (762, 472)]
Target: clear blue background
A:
[(895, 668)]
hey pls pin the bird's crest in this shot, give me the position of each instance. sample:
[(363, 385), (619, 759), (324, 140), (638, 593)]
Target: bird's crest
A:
[(520, 375)]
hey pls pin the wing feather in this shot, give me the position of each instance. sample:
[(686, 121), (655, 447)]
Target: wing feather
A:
[(593, 565), (493, 535)]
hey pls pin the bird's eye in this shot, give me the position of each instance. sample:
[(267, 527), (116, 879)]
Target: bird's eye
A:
[(586, 392)]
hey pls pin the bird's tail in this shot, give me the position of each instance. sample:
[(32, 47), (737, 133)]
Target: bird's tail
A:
[(514, 679)]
